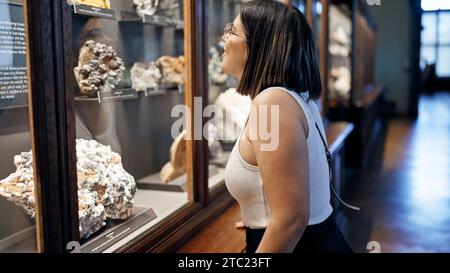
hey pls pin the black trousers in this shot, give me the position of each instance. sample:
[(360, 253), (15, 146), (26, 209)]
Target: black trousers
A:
[(321, 238)]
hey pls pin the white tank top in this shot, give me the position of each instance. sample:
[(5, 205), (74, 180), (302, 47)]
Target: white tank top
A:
[(244, 181)]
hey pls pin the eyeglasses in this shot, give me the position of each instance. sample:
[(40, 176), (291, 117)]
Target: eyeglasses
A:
[(229, 30)]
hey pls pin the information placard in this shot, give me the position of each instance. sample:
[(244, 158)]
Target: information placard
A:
[(13, 75)]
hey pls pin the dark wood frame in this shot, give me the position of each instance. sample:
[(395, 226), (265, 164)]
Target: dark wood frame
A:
[(51, 123), (52, 119), (415, 78)]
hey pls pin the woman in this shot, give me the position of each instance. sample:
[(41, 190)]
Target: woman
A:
[(281, 183)]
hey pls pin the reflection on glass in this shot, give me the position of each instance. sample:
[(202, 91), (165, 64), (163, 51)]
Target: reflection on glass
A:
[(318, 7), (339, 49), (228, 109), (132, 169), (429, 28), (17, 199), (444, 28), (428, 54), (300, 4), (435, 4), (443, 64)]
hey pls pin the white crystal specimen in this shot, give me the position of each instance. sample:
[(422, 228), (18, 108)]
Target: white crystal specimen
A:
[(341, 81), (100, 169), (145, 75), (216, 74), (233, 113), (105, 189), (146, 7)]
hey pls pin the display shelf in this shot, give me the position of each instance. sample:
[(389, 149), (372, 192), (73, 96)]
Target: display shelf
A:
[(216, 179), (13, 107), (154, 182), (164, 203), (20, 242), (157, 20), (129, 94), (115, 232), (119, 94), (94, 11)]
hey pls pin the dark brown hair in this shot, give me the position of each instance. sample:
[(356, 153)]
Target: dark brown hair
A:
[(281, 50)]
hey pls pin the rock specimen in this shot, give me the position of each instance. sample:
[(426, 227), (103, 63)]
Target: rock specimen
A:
[(18, 187), (104, 4), (145, 75), (170, 9), (234, 109), (105, 189), (146, 7), (214, 147), (172, 69), (177, 165), (99, 68), (100, 170), (341, 82), (340, 42), (216, 74)]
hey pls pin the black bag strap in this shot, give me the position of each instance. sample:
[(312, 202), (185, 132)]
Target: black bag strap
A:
[(328, 154)]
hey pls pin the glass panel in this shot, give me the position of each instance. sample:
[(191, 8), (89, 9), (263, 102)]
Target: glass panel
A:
[(435, 4), (339, 49), (301, 5), (317, 30), (429, 28), (428, 55), (443, 63), (228, 109), (444, 28), (130, 112), (17, 200)]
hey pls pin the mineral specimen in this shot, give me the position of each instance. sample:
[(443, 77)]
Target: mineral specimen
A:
[(146, 7), (105, 189), (177, 165), (215, 70), (145, 75), (234, 110), (100, 170), (214, 147), (170, 9), (341, 81), (104, 4), (172, 70), (99, 68)]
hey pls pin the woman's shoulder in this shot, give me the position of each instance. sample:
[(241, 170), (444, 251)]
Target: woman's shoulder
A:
[(284, 100), (273, 95)]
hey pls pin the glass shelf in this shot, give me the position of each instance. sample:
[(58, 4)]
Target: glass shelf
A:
[(130, 93), (157, 20), (13, 107), (94, 11)]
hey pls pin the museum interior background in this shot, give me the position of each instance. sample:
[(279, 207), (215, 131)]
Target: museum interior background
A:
[(90, 91)]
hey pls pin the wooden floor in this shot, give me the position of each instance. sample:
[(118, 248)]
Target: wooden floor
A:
[(405, 194)]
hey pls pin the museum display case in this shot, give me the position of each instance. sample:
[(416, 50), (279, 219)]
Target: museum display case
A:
[(352, 93), (17, 201), (129, 120), (113, 87), (227, 110)]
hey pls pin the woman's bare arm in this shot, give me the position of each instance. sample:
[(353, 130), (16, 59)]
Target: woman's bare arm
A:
[(284, 169)]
